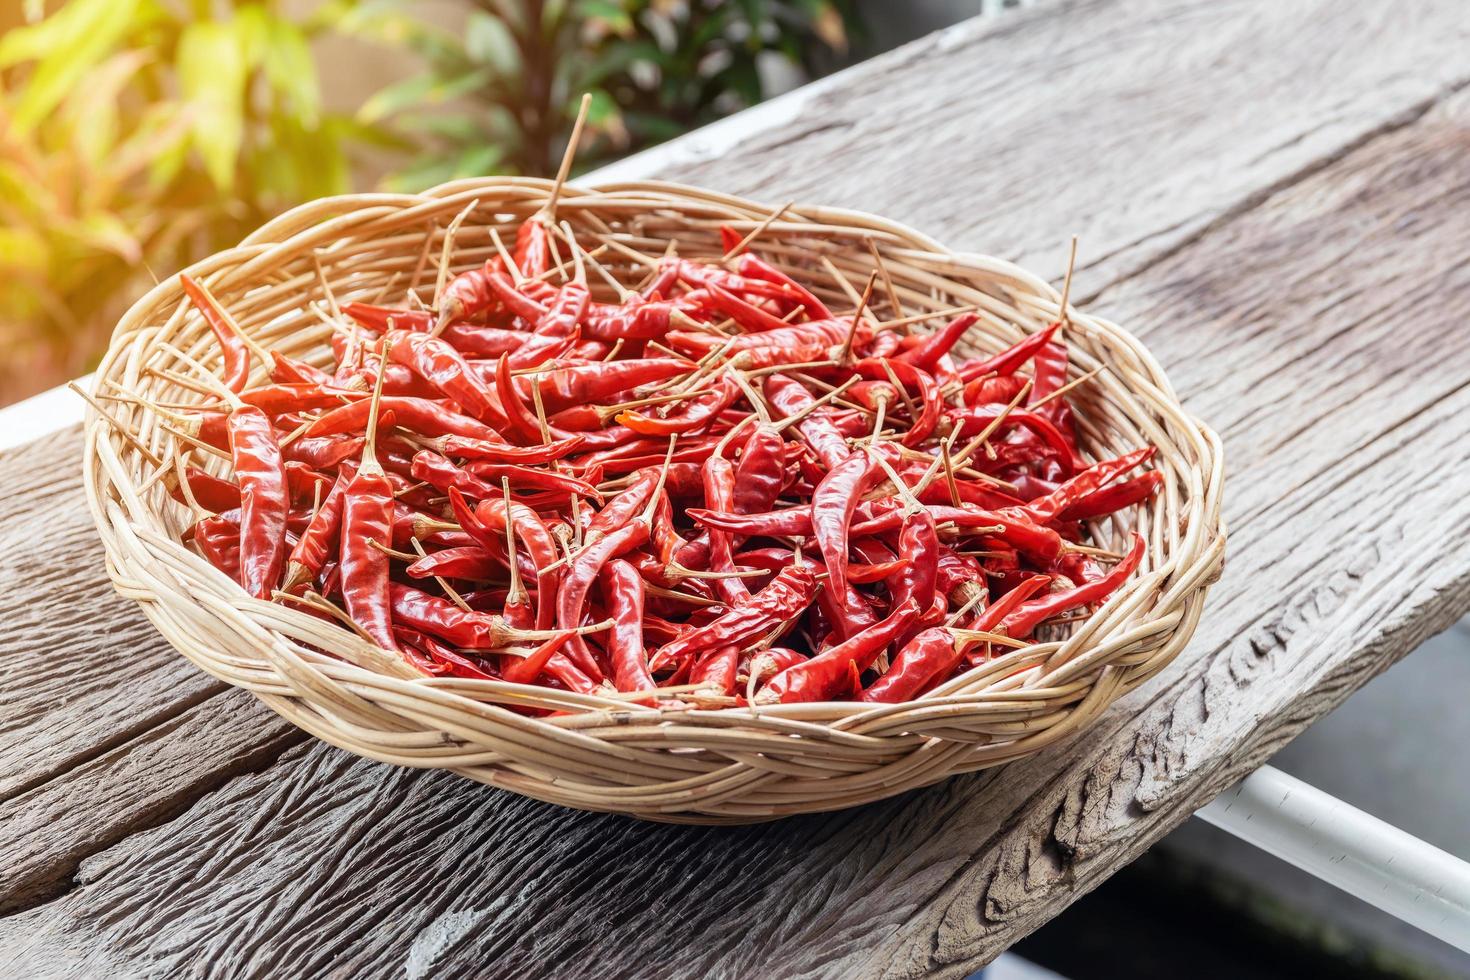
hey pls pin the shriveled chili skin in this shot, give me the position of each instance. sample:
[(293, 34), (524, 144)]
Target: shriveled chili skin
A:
[(822, 677), (790, 592), (928, 658), (622, 589), (760, 473), (265, 503), (236, 353), (367, 515)]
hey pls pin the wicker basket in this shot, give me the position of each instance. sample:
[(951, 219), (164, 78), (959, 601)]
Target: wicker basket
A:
[(730, 765)]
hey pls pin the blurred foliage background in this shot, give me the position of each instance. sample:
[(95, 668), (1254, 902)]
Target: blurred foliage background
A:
[(137, 136)]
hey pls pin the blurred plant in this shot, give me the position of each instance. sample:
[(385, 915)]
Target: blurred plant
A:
[(499, 94), (131, 129)]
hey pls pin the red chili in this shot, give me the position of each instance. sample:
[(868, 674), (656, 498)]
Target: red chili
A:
[(1031, 614), (226, 330), (622, 596), (823, 676)]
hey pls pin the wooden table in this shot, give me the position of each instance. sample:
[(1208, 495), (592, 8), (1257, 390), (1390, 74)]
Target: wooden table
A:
[(1276, 197)]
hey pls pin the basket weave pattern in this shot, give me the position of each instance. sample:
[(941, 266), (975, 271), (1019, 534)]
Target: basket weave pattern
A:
[(729, 765)]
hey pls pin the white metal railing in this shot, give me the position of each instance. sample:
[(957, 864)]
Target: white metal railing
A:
[(1340, 844)]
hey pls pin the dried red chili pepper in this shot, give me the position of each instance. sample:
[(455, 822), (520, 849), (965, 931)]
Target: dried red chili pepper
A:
[(622, 591), (823, 676), (231, 341)]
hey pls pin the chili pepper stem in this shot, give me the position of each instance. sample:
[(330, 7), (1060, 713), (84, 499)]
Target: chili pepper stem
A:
[(856, 319), (516, 275), (758, 230), (949, 481), (1063, 312), (1064, 389), (548, 210), (782, 424), (888, 286)]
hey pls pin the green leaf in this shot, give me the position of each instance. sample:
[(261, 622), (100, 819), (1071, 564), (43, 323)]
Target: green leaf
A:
[(68, 44), (212, 77), (421, 90), (488, 41), (290, 71)]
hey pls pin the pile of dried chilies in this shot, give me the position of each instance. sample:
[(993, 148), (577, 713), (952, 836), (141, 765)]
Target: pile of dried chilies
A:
[(711, 487)]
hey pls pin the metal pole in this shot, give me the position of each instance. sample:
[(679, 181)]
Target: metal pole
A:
[(1340, 844)]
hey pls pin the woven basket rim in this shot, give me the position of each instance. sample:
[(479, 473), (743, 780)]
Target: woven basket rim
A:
[(701, 765)]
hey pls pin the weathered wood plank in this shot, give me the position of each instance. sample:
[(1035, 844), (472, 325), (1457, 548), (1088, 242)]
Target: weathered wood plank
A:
[(1136, 124), (1318, 330), (46, 832), (76, 652)]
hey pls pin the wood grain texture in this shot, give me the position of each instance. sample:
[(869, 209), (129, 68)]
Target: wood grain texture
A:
[(1136, 124), (74, 648), (45, 833), (1298, 216)]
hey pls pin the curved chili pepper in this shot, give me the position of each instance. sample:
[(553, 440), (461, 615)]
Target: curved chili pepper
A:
[(823, 676), (566, 310), (472, 562), (1046, 508), (789, 397), (445, 368), (928, 658), (717, 669), (644, 320), (516, 301), (760, 472), (381, 319), (582, 571), (833, 503), (753, 267), (622, 596), (1031, 614), (622, 508), (431, 657), (209, 491), (927, 350), (1108, 500), (501, 452), (790, 592), (544, 658), (532, 249), (973, 421), (236, 352), (476, 340), (520, 421), (367, 515), (487, 522), (442, 474), (320, 538), (1010, 359), (719, 496), (284, 370), (422, 415), (583, 383), (701, 411), (260, 471), (713, 278), (443, 619), (930, 401), (218, 540), (917, 580)]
